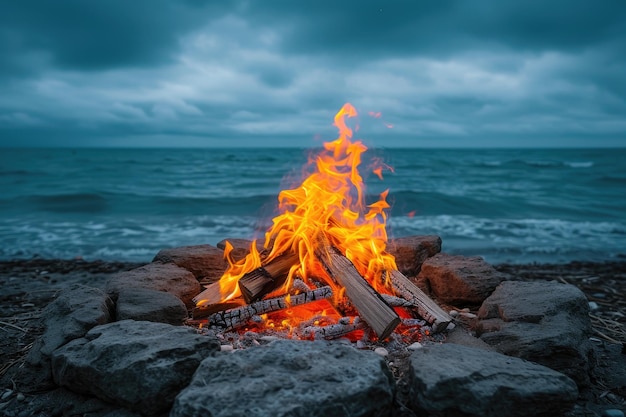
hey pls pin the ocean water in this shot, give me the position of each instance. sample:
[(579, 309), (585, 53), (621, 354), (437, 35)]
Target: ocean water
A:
[(118, 204)]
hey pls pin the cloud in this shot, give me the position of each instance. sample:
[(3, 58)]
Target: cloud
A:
[(197, 73)]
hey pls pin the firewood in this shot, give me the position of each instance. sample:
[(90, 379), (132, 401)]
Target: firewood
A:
[(426, 307), (206, 311), (367, 301), (333, 331), (255, 284), (237, 317), (212, 294)]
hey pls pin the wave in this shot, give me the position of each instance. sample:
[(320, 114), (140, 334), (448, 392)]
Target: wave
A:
[(497, 239), (69, 203), (585, 164)]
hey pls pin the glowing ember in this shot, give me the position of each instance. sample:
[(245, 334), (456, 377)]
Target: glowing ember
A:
[(329, 206)]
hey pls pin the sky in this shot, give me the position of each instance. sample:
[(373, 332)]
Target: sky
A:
[(196, 73)]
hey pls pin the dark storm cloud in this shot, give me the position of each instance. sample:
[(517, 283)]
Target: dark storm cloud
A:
[(87, 35), (195, 73), (400, 28)]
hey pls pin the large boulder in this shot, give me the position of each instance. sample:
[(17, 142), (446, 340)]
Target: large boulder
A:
[(289, 378), (157, 276), (139, 365), (206, 262), (411, 251), (543, 321), (460, 280), (455, 380), (70, 316), (150, 305)]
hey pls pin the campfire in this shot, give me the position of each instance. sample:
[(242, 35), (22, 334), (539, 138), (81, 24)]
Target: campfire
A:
[(323, 270)]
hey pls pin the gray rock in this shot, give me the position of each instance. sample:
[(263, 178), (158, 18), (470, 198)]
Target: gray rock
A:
[(411, 251), (139, 365), (160, 277), (206, 262), (541, 321), (459, 280), (70, 316), (289, 378), (451, 380), (149, 305), (460, 336)]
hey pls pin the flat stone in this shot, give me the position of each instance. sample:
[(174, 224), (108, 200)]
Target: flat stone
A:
[(460, 280), (150, 305), (206, 262), (139, 365), (157, 276), (70, 316), (542, 321), (289, 378), (411, 251), (450, 380)]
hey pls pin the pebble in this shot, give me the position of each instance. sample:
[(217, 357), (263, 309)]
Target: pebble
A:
[(453, 313), (415, 346), (450, 327), (227, 348), (593, 305), (20, 396), (360, 344), (381, 351), (28, 305), (6, 394), (468, 315), (43, 273), (612, 412), (465, 310)]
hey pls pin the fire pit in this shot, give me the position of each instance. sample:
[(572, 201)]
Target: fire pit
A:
[(326, 270), (324, 261)]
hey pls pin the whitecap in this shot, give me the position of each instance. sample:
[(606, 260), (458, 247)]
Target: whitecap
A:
[(584, 164)]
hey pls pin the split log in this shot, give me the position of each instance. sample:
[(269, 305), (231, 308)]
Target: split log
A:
[(237, 317), (212, 294), (255, 284), (368, 302), (426, 307)]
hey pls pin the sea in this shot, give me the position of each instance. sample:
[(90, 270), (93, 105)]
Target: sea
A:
[(506, 205)]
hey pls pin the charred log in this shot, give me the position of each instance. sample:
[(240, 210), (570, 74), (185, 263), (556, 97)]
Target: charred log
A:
[(237, 317), (426, 307), (367, 301)]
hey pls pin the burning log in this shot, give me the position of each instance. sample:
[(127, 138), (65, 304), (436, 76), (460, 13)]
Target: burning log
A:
[(237, 317), (206, 311), (255, 284), (426, 307), (333, 331), (368, 302)]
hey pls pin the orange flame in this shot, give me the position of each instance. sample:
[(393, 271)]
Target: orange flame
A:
[(329, 202)]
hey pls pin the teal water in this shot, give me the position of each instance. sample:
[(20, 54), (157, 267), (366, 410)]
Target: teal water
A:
[(119, 204)]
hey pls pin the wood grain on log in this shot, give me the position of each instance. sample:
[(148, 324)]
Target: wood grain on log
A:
[(237, 317), (367, 301), (255, 284), (426, 307)]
